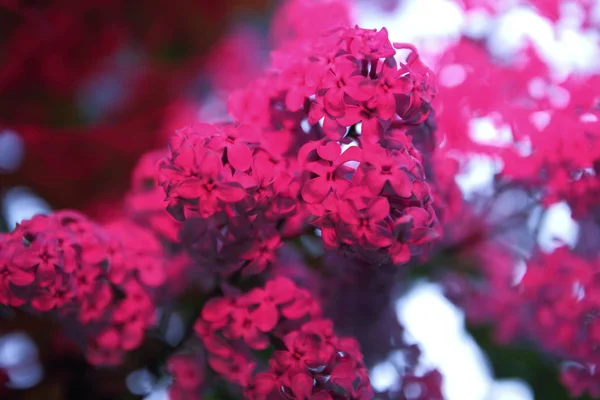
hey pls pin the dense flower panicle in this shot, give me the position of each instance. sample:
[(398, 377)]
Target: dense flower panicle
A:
[(541, 130), (43, 255), (251, 316), (314, 365), (240, 209), (343, 83), (382, 205), (196, 175), (66, 263), (353, 77), (330, 162), (554, 304), (230, 326), (553, 128), (560, 292), (233, 192), (366, 85), (212, 169)]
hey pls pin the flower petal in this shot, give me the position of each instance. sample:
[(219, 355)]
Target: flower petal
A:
[(315, 190), (239, 156)]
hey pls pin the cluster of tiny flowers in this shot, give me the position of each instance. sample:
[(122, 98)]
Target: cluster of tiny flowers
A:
[(555, 304), (309, 361), (251, 183), (544, 144), (347, 77), (211, 170), (234, 195), (382, 205), (560, 292), (554, 124), (98, 278), (315, 364), (228, 326)]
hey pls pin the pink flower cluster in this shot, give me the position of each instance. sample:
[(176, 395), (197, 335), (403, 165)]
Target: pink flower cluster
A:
[(537, 109), (560, 294), (382, 205), (279, 169), (309, 361), (98, 278), (347, 77), (548, 154), (555, 306), (314, 364)]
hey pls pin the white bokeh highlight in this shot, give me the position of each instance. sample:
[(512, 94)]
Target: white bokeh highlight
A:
[(438, 328), (384, 376), (557, 228), (19, 204), (19, 359), (510, 389), (140, 381)]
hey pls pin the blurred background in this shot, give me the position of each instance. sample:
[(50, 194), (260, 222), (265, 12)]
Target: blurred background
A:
[(87, 87)]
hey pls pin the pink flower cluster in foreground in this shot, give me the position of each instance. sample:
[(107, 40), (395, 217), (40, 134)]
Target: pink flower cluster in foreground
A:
[(101, 279)]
